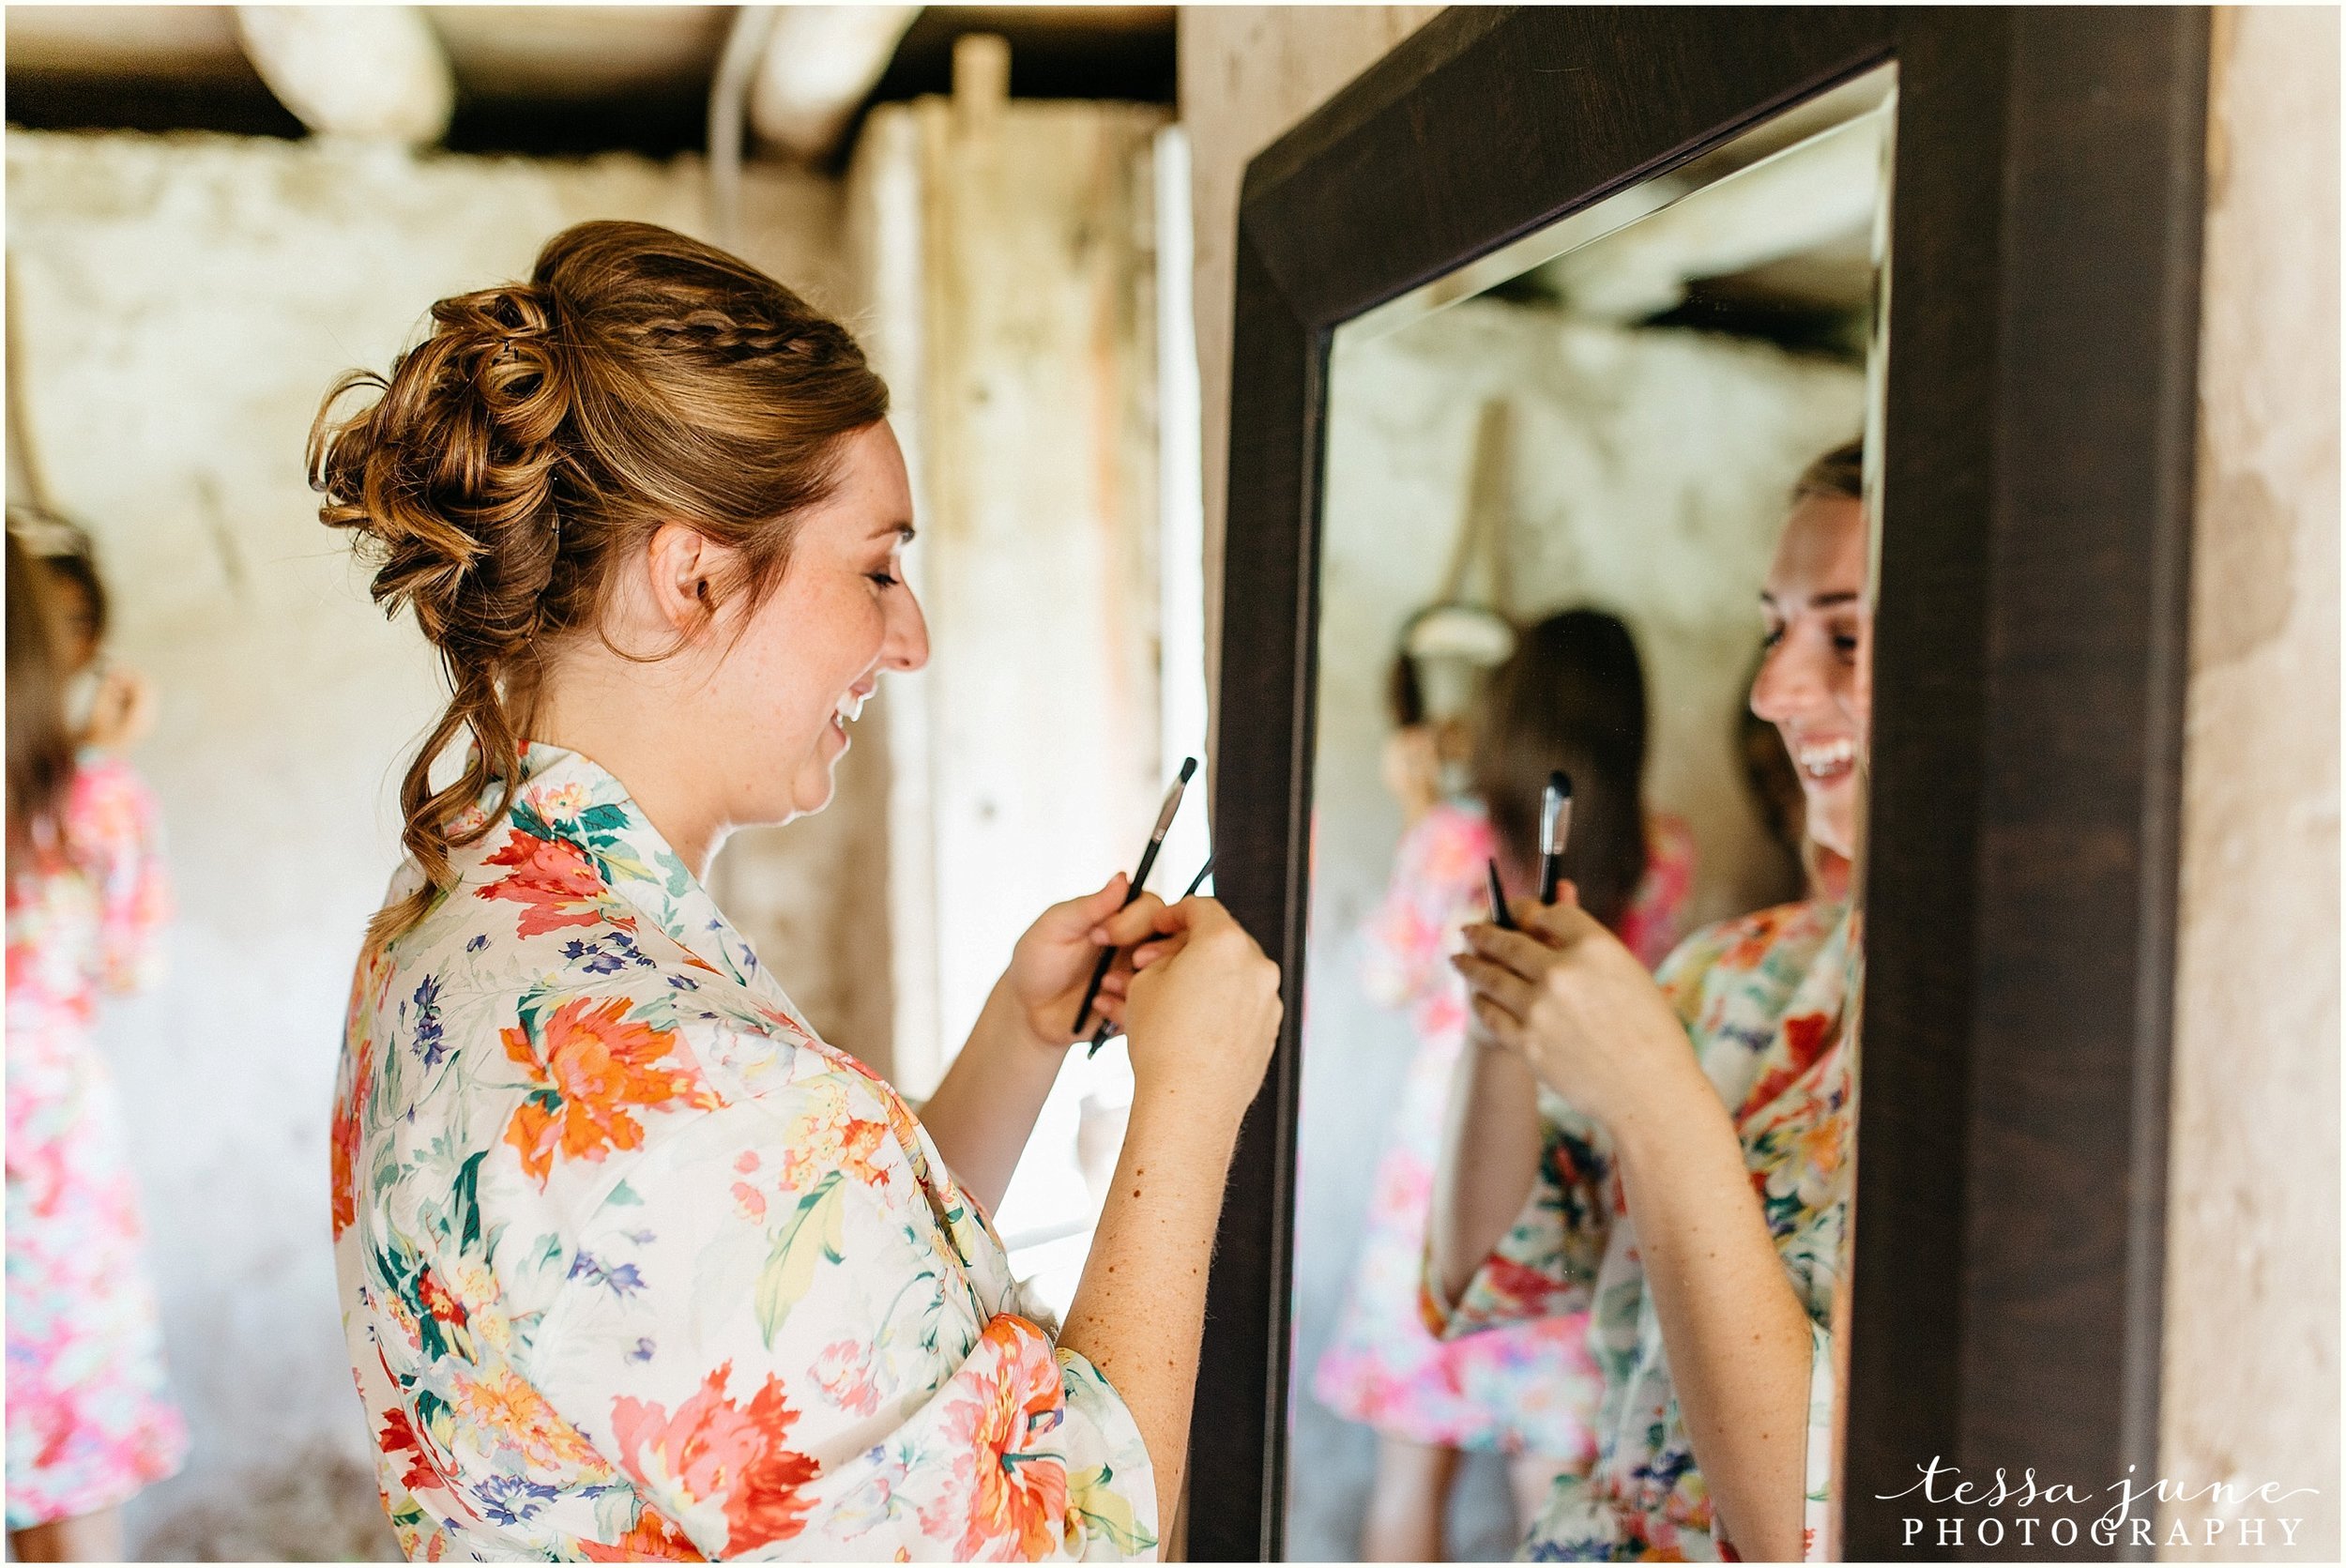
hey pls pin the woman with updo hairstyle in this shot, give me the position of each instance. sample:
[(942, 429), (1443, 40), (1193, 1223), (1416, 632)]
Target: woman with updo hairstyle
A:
[(633, 1263), (1669, 1152)]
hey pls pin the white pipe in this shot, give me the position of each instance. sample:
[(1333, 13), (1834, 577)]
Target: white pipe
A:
[(376, 72), (728, 111), (819, 65)]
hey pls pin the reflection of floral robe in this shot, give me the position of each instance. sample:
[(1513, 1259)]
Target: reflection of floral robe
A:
[(1762, 999), (1526, 1387), (634, 1266)]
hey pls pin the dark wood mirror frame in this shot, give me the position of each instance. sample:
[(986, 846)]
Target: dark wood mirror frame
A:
[(2029, 658)]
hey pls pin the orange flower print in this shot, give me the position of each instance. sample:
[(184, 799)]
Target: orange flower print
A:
[(520, 1421), (597, 1064), (349, 1095), (1016, 1499), (552, 880), (653, 1539), (714, 1451)]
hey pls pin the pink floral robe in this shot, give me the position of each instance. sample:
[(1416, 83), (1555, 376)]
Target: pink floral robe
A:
[(1530, 1388), (90, 1420)]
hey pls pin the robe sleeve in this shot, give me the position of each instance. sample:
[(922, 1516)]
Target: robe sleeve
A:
[(1414, 926), (117, 838), (770, 1330), (1816, 1278), (1545, 1265)]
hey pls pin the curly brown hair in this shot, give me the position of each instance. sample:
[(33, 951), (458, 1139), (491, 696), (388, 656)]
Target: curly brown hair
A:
[(540, 434)]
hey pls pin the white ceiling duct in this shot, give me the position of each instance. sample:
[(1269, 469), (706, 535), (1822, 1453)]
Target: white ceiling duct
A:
[(1815, 200), (375, 72), (819, 63)]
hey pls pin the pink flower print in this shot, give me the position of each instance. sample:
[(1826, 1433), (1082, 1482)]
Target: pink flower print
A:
[(844, 1372)]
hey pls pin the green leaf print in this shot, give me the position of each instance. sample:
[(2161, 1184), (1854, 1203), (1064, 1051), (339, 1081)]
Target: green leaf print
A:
[(606, 819), (1095, 1508), (468, 1200), (812, 1234)]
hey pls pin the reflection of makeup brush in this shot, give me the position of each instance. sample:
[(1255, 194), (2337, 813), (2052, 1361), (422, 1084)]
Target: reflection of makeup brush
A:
[(1500, 916), (1199, 880), (1100, 1035), (1555, 826), (1148, 859)]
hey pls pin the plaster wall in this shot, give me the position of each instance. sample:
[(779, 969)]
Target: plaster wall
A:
[(1248, 74), (178, 306), (2251, 1375)]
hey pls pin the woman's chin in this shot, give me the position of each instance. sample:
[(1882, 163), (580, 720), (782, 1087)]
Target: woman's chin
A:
[(1832, 820), (814, 787)]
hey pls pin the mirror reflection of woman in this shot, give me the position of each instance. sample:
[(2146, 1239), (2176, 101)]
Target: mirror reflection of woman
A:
[(1694, 1201), (91, 1421), (634, 1264), (1570, 696)]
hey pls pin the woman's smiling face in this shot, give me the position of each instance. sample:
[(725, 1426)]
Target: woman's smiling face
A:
[(1815, 682), (810, 655)]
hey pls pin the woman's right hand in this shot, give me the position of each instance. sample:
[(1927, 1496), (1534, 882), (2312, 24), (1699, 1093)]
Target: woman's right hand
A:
[(1203, 1011), (122, 712)]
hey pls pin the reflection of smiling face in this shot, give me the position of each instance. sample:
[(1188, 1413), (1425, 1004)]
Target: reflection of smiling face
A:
[(1814, 684)]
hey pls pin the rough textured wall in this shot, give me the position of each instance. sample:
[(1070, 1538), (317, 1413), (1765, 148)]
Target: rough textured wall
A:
[(179, 305), (1248, 73), (2251, 1382)]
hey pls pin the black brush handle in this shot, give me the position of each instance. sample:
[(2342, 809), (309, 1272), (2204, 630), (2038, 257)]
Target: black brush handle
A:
[(1099, 1036), (1500, 916), (1551, 877), (1107, 955)]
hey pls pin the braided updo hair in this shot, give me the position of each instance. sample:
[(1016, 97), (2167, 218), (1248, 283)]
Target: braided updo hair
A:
[(540, 436)]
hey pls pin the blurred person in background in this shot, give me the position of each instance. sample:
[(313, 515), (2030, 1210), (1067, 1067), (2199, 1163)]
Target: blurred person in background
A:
[(108, 706), (90, 1420), (1570, 696)]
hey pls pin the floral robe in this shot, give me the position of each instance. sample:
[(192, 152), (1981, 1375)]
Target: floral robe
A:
[(1527, 1387), (1763, 998), (635, 1266), (90, 1416)]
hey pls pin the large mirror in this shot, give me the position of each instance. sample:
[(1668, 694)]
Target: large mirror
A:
[(1593, 505)]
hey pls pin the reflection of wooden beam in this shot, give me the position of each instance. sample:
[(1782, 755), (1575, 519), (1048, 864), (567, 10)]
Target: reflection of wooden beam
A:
[(820, 63), (371, 71)]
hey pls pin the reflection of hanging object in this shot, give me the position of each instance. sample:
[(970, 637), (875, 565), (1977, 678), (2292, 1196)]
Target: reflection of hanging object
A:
[(1450, 646), (1488, 521)]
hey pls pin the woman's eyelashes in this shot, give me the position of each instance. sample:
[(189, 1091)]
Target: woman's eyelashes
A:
[(1844, 640)]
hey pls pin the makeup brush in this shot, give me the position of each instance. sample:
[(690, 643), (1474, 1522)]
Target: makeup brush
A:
[(1148, 859), (1500, 916), (1555, 826), (1100, 1035)]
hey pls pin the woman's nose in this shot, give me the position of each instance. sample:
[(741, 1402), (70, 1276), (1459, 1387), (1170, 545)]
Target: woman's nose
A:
[(907, 647), (1788, 682)]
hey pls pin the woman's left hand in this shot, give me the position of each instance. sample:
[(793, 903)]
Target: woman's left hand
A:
[(1054, 960), (1577, 1005)]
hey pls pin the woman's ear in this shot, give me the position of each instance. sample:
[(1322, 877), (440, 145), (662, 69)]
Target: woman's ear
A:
[(681, 568)]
